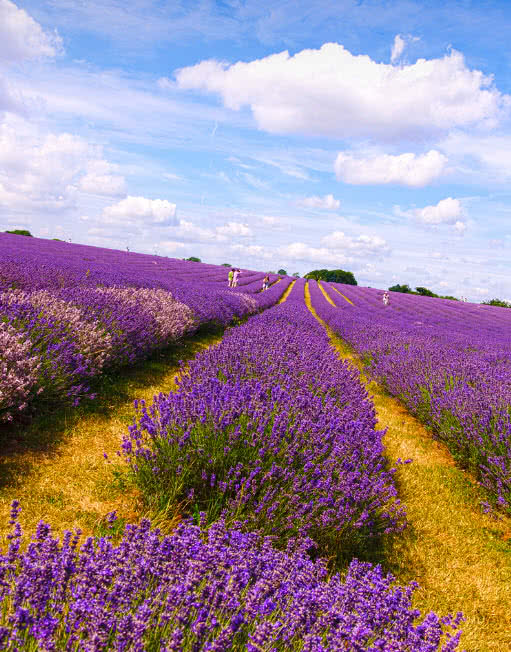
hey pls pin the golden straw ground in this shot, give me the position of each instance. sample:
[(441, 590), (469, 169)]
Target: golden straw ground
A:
[(460, 556), (55, 466)]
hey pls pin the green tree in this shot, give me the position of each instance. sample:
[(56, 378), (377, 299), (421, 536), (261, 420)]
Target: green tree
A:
[(317, 274), (296, 274), (332, 275), (282, 272), (21, 232), (425, 292), (497, 302), (226, 265), (193, 259), (405, 288)]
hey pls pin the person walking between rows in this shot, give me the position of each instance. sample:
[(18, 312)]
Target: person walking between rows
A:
[(230, 277), (266, 281)]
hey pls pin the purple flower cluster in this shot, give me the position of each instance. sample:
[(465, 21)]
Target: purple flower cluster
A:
[(450, 362), (70, 311), (219, 590), (270, 428)]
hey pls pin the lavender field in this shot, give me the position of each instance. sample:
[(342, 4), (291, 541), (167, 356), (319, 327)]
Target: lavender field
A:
[(448, 361), (69, 312), (268, 451)]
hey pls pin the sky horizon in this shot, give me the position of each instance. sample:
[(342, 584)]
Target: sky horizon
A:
[(365, 135)]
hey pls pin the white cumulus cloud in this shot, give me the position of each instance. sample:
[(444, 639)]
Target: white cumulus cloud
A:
[(320, 255), (327, 202), (21, 37), (448, 211), (233, 229), (406, 169), (361, 245), (47, 171), (256, 251), (140, 210), (333, 92), (190, 232), (100, 181)]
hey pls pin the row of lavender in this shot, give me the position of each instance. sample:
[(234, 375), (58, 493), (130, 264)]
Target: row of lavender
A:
[(449, 362), (34, 263), (60, 325), (271, 443)]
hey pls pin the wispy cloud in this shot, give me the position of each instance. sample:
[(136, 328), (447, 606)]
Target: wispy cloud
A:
[(328, 202)]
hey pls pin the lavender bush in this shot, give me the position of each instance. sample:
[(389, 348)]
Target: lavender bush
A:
[(221, 589)]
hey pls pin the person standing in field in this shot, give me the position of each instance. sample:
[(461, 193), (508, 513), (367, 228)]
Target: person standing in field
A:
[(266, 281), (386, 298), (235, 276), (230, 277)]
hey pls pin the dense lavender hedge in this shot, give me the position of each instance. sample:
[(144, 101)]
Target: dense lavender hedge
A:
[(223, 589), (68, 312), (269, 427), (449, 362)]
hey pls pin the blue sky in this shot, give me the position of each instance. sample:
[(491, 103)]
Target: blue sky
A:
[(363, 135)]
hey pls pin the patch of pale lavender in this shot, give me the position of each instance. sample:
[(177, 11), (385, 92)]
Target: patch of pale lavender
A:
[(18, 372), (173, 318)]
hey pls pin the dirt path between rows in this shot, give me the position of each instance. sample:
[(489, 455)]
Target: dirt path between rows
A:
[(460, 556), (55, 467)]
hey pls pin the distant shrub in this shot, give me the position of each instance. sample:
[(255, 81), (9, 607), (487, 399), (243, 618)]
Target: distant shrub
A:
[(332, 276), (497, 302), (405, 288), (20, 232)]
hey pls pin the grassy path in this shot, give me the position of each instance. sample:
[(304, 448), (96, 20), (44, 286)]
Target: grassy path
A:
[(55, 466), (460, 557)]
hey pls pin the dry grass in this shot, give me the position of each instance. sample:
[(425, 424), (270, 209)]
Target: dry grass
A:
[(342, 295), (286, 292), (460, 556), (327, 297), (55, 466)]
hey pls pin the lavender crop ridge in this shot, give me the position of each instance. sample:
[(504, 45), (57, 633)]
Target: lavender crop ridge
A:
[(449, 362), (220, 589)]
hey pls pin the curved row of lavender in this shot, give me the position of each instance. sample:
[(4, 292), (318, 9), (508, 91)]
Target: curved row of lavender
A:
[(450, 362), (269, 427), (268, 434), (68, 312), (218, 589)]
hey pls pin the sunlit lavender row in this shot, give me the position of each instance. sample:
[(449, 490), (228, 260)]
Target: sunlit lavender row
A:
[(269, 427), (69, 312), (449, 361), (217, 589)]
